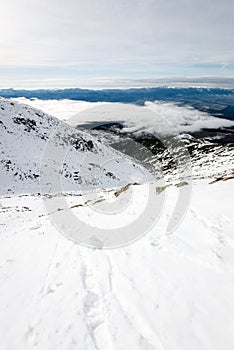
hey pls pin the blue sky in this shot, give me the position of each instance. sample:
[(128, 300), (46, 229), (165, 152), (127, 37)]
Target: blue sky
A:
[(58, 43)]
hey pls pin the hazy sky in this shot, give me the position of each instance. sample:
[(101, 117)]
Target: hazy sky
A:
[(65, 42)]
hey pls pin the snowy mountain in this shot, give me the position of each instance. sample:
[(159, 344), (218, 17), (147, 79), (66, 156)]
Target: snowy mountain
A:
[(31, 138), (209, 138), (166, 291)]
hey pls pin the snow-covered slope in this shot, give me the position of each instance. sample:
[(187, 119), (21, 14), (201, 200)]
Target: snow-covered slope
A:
[(32, 140), (164, 292)]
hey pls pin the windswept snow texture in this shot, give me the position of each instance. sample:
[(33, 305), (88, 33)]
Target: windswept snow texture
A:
[(162, 292), (87, 163)]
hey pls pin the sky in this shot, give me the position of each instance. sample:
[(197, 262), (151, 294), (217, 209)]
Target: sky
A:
[(62, 43)]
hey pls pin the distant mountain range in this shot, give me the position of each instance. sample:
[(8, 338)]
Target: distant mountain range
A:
[(215, 101)]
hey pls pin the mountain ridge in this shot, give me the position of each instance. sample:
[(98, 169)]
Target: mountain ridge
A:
[(26, 135)]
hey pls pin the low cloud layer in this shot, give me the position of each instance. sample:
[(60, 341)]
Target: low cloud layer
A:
[(159, 118)]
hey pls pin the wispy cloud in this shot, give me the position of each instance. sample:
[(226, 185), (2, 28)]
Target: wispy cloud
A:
[(131, 38)]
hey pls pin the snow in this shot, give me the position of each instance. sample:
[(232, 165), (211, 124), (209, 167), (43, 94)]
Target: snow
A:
[(161, 292), (167, 290), (32, 140)]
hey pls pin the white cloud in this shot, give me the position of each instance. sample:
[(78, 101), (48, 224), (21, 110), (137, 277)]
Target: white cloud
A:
[(159, 118), (131, 37)]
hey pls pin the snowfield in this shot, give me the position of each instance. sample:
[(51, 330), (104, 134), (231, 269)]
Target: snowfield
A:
[(162, 292), (165, 291)]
